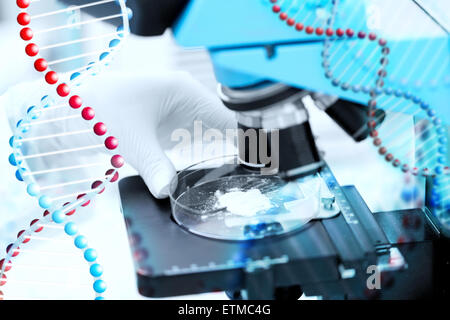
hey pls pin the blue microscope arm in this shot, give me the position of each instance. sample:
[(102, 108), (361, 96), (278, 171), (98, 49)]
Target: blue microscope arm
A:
[(248, 43)]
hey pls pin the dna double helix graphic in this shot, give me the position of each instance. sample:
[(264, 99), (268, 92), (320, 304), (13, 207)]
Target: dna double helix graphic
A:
[(412, 138), (66, 46)]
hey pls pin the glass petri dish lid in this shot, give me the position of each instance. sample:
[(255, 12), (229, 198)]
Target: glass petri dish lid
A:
[(220, 199)]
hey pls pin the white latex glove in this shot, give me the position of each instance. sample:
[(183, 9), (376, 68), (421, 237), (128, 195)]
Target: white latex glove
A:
[(142, 112)]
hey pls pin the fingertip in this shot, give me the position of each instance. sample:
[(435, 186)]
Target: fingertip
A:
[(159, 182), (161, 194)]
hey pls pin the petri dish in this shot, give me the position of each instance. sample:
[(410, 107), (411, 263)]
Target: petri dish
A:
[(220, 199)]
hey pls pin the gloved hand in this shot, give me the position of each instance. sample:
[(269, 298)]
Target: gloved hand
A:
[(142, 112)]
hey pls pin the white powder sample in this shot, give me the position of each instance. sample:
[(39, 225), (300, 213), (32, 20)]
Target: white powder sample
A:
[(243, 203)]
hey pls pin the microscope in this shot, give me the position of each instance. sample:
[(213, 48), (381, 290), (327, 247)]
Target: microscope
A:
[(351, 253)]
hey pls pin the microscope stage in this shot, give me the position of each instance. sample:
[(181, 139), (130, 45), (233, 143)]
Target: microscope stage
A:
[(172, 261)]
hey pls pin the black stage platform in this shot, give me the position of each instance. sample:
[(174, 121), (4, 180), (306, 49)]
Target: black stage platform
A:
[(328, 258)]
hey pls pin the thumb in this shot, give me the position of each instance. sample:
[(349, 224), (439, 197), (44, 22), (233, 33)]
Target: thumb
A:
[(154, 167)]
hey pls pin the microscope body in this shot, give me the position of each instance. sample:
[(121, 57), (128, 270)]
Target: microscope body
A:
[(266, 69), (251, 47)]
